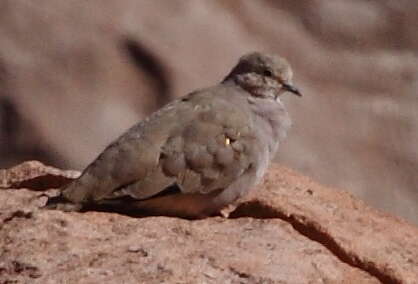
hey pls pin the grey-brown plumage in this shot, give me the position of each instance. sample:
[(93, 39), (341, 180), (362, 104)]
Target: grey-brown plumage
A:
[(212, 145)]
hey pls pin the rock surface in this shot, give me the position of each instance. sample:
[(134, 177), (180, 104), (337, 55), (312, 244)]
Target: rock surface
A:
[(35, 175), (291, 230)]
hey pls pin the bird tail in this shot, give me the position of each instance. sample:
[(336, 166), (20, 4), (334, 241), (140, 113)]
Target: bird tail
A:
[(63, 201)]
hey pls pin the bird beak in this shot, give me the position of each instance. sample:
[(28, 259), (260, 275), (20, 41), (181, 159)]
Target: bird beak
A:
[(291, 89)]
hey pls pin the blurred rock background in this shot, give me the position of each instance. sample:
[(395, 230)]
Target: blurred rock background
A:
[(75, 74)]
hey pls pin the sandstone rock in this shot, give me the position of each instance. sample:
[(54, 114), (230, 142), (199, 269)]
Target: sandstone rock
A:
[(35, 175), (364, 237), (292, 230)]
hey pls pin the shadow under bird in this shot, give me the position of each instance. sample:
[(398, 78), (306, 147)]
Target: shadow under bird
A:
[(195, 155)]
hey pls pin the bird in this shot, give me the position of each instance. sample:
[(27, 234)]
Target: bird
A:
[(197, 154)]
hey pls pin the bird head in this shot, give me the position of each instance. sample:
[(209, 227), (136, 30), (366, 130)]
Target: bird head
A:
[(263, 75)]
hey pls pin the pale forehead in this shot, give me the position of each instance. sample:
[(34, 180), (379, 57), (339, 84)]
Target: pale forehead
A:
[(280, 65)]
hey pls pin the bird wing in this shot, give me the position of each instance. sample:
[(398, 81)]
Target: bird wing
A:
[(201, 142), (205, 150)]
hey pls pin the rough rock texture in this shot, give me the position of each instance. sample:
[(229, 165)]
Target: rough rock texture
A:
[(292, 230), (35, 175), (75, 74), (383, 245)]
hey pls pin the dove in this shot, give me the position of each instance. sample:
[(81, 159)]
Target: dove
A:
[(195, 155)]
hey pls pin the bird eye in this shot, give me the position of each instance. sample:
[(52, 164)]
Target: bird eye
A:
[(267, 73)]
